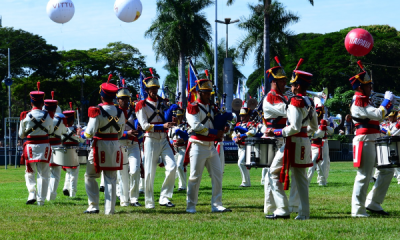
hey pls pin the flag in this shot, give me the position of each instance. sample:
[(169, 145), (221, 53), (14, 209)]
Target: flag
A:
[(143, 94), (238, 90), (191, 86), (162, 92), (262, 86)]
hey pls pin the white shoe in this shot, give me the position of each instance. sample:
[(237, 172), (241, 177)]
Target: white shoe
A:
[(40, 203), (360, 215), (301, 217), (191, 210)]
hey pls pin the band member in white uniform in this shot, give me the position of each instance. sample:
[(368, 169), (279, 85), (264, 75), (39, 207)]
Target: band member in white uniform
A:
[(243, 130), (201, 150), (72, 138), (129, 176), (179, 136), (106, 125), (318, 147), (34, 129), (274, 109), (155, 120), (296, 152), (52, 107), (366, 119)]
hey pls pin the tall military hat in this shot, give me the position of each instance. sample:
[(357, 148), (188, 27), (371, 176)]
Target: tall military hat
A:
[(151, 81), (361, 78), (180, 112), (244, 111), (37, 96), (50, 104), (69, 114), (108, 90), (123, 91), (301, 77), (204, 85), (392, 114), (277, 72)]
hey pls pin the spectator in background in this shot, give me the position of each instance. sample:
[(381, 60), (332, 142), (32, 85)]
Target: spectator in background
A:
[(349, 125)]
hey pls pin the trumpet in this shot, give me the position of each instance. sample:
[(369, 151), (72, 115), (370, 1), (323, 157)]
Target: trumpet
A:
[(321, 95), (336, 120), (377, 99)]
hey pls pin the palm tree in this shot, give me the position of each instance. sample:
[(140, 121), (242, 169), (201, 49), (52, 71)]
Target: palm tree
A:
[(179, 30), (266, 43), (280, 38)]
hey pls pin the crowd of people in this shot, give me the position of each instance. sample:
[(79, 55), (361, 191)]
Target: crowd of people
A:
[(130, 139)]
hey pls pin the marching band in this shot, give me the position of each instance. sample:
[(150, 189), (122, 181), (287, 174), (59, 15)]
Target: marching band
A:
[(283, 134)]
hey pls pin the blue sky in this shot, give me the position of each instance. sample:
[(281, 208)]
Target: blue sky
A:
[(94, 24)]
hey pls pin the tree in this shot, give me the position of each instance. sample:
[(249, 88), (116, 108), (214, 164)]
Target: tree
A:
[(281, 39), (180, 29), (266, 43), (206, 61)]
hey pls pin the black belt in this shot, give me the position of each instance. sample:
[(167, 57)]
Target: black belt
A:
[(366, 125), (316, 141)]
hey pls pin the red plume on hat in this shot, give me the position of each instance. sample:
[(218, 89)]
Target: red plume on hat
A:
[(38, 86)]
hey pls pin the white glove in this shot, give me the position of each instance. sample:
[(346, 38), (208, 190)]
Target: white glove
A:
[(389, 96)]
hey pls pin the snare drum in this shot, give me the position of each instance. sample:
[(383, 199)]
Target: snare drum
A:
[(66, 156), (260, 152), (83, 154), (387, 152)]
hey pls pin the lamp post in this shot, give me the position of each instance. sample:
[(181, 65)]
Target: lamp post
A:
[(228, 69)]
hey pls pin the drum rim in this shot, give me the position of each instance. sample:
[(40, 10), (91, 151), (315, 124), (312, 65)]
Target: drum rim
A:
[(260, 140)]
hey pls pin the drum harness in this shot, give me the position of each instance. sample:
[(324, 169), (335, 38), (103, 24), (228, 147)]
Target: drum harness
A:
[(157, 111), (364, 123), (69, 136), (131, 113), (38, 124), (208, 115), (56, 128), (112, 121)]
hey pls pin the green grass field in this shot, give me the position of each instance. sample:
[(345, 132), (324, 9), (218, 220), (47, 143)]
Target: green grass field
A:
[(64, 218)]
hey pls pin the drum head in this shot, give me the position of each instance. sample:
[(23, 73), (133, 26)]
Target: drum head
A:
[(237, 104), (252, 103)]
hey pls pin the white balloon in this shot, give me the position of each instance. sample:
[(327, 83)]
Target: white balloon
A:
[(128, 10), (60, 11)]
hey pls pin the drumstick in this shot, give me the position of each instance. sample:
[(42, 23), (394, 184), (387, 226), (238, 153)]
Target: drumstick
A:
[(299, 63)]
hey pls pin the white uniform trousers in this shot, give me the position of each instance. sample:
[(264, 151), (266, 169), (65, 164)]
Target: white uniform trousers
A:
[(55, 174), (153, 149), (179, 157), (316, 167), (244, 172), (263, 174), (102, 179), (71, 181), (134, 172), (375, 197), (299, 189), (325, 164), (43, 173), (397, 174), (204, 156), (222, 155), (92, 187), (123, 184)]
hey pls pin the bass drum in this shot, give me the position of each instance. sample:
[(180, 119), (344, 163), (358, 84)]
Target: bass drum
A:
[(260, 152), (387, 152), (66, 156)]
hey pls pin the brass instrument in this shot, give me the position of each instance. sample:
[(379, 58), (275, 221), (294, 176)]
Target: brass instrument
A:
[(377, 99)]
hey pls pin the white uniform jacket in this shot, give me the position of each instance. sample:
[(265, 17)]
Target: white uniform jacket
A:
[(35, 127), (318, 137), (151, 117), (106, 125), (274, 108), (366, 119)]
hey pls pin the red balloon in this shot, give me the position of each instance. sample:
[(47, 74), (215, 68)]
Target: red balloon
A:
[(359, 42)]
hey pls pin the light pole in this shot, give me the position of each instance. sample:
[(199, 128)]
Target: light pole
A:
[(228, 69), (227, 22)]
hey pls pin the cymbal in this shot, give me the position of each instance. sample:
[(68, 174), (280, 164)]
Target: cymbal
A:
[(252, 103), (236, 104)]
